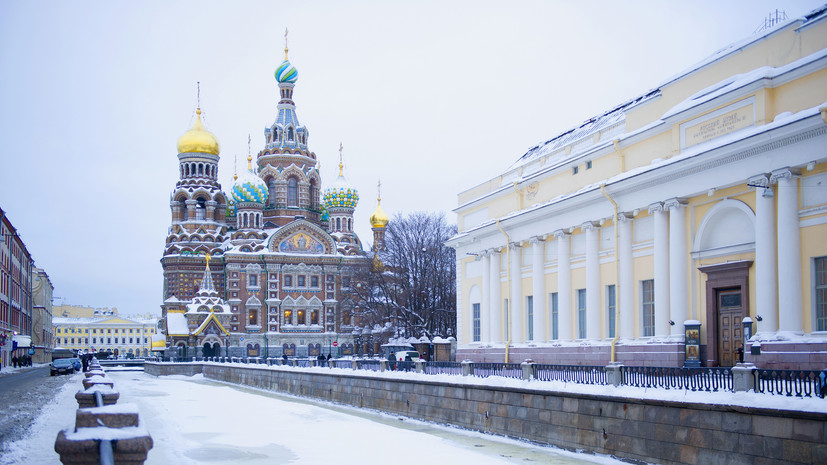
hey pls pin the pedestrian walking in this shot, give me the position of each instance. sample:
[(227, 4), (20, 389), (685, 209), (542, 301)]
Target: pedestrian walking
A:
[(14, 361)]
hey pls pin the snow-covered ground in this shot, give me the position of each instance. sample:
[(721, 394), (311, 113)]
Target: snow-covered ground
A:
[(193, 420)]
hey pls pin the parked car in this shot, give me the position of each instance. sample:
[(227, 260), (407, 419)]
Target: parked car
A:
[(62, 366), (402, 356)]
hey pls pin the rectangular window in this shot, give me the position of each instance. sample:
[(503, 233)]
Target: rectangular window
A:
[(476, 319), (253, 280), (581, 313), (553, 305), (301, 281), (821, 293), (505, 320), (288, 281), (611, 305), (575, 170), (529, 308), (647, 301), (589, 165), (346, 281), (314, 281)]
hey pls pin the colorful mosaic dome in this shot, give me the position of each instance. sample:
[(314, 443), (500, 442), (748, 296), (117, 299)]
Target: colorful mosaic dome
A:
[(325, 215), (341, 195), (249, 188), (286, 72)]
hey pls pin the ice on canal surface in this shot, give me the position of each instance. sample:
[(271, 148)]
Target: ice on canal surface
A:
[(194, 420)]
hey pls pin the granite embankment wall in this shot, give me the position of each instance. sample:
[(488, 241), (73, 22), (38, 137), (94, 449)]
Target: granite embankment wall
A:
[(639, 430)]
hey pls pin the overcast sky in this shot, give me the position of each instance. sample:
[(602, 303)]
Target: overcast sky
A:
[(431, 97)]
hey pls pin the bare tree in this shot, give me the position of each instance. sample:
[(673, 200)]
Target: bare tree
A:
[(412, 283)]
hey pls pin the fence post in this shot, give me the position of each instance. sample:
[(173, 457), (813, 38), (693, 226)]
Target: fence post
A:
[(742, 377), (613, 375), (467, 368), (383, 365), (354, 364), (420, 366), (528, 369)]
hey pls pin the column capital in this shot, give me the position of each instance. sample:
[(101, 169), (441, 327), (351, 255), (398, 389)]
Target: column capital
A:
[(515, 245), (536, 239), (561, 233), (622, 217), (674, 203), (760, 180), (588, 226), (783, 173), (656, 207)]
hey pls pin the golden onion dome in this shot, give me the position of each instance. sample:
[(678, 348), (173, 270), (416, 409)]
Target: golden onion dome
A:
[(379, 219), (198, 139)]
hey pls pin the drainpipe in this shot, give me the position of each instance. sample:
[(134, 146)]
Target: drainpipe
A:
[(623, 158), (508, 260), (617, 266), (520, 197)]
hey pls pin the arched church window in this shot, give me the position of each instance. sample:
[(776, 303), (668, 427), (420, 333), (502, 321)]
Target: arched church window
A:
[(314, 195), (338, 224), (292, 192), (200, 168), (253, 316), (288, 317), (257, 220), (290, 134), (187, 169), (300, 318), (349, 224)]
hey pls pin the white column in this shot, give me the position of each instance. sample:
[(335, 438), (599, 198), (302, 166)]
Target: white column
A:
[(766, 257), (485, 314), (515, 304), (789, 252), (678, 267), (625, 288), (563, 285), (494, 307), (538, 286), (592, 280), (661, 268)]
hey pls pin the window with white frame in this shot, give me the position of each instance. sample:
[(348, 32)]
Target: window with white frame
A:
[(529, 307), (581, 313), (611, 305), (647, 303), (476, 318), (553, 306), (820, 281)]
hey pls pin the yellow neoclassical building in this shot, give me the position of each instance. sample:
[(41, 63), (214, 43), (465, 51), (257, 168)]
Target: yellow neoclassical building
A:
[(654, 233), (127, 335)]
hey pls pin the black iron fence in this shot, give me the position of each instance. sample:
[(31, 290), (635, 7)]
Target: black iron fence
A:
[(571, 374), (687, 379), (797, 383)]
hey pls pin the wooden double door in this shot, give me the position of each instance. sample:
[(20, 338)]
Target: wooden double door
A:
[(727, 303)]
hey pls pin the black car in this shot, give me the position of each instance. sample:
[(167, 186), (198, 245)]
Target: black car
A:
[(62, 366)]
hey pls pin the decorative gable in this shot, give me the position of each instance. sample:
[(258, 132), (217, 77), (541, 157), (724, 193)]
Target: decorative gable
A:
[(302, 237)]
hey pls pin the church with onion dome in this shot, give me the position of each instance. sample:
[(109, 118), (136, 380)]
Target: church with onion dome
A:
[(265, 270)]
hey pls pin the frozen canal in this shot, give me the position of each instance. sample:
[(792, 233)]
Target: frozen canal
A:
[(193, 420)]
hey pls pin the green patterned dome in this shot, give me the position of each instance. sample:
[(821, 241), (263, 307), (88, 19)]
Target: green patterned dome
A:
[(286, 72), (341, 195)]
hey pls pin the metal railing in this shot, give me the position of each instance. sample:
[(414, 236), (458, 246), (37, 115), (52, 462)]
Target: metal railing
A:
[(690, 379), (798, 383), (448, 368), (507, 370), (571, 374)]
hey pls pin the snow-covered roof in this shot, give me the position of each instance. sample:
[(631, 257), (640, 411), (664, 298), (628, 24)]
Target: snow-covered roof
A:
[(177, 324)]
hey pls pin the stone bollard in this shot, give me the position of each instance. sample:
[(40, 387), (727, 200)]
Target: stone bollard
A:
[(383, 365), (86, 397), (420, 366), (742, 377), (331, 363), (354, 364), (95, 372), (96, 380), (117, 424), (467, 368), (528, 369), (295, 363), (613, 375)]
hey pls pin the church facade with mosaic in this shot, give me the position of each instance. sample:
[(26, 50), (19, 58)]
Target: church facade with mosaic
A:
[(265, 270)]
